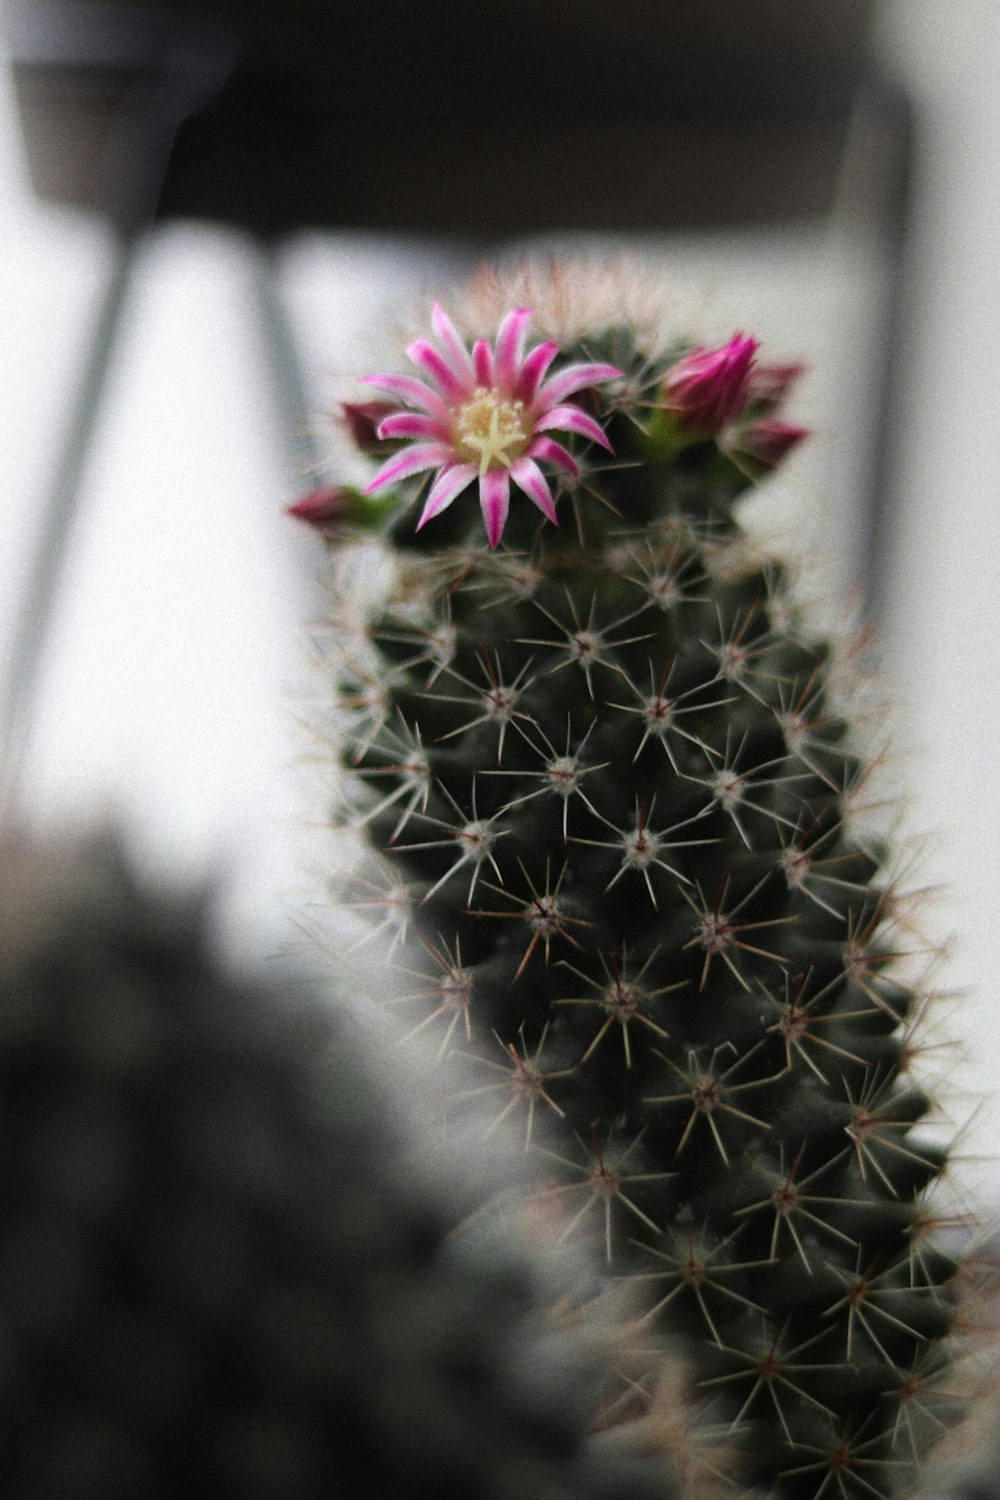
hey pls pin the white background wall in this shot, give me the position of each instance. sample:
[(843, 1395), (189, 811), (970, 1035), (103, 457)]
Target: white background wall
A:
[(943, 628), (170, 688)]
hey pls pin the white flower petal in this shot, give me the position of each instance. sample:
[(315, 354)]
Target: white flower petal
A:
[(455, 351), (410, 461), (528, 476), (449, 484), (553, 453), (510, 348), (573, 378), (571, 418), (494, 498)]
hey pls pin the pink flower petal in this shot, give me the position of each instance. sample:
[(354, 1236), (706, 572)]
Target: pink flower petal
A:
[(456, 353), (573, 419), (533, 370), (494, 498), (528, 476), (482, 361), (553, 453), (409, 389), (573, 378), (437, 367), (413, 424), (418, 456), (510, 347), (447, 486)]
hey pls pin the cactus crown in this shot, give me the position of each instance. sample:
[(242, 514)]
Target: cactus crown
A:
[(609, 786)]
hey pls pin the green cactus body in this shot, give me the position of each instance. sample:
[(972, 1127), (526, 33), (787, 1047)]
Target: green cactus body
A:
[(227, 1267), (613, 796)]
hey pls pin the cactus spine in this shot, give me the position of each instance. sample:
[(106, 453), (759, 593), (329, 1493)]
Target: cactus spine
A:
[(604, 770)]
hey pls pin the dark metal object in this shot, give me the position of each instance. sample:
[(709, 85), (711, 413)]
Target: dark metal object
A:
[(102, 89), (417, 117), (113, 90)]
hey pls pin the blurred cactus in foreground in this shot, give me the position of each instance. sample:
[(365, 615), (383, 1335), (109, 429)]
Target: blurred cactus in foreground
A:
[(226, 1266), (602, 761)]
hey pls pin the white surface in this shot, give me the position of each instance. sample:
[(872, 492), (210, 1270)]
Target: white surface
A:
[(942, 652), (170, 686)]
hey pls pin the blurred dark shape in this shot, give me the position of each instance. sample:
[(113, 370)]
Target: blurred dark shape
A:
[(519, 117), (231, 1262)]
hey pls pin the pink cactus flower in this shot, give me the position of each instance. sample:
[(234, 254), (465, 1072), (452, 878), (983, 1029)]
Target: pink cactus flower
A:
[(768, 440), (484, 416), (707, 388)]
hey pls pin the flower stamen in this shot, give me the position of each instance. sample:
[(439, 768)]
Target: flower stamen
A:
[(487, 426)]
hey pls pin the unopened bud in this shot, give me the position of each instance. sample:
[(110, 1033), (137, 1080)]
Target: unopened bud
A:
[(770, 384), (708, 388), (768, 442), (325, 509), (362, 418)]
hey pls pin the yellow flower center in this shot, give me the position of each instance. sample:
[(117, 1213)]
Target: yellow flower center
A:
[(489, 429)]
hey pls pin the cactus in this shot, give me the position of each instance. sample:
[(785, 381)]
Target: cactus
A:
[(601, 762), (226, 1266)]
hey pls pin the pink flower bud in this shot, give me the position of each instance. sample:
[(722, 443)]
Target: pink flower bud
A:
[(708, 388), (362, 418), (324, 509), (770, 384), (769, 441)]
